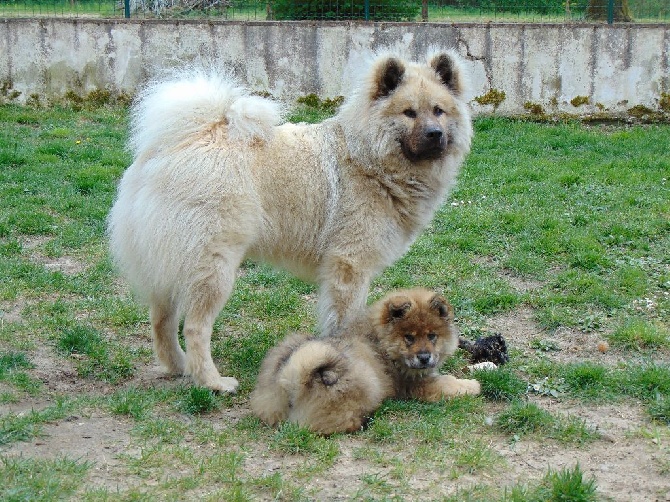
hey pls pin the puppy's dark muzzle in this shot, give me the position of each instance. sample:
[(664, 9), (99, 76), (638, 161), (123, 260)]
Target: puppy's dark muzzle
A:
[(423, 358), (422, 361)]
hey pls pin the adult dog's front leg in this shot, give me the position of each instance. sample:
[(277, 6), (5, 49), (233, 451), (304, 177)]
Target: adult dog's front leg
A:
[(342, 295)]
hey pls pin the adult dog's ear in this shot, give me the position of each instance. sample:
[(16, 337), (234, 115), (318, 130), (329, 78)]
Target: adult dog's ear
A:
[(387, 77), (448, 71), (442, 307), (397, 308)]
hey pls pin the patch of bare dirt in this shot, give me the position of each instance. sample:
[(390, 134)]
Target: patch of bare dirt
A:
[(65, 264), (626, 464), (10, 312), (98, 439), (520, 330)]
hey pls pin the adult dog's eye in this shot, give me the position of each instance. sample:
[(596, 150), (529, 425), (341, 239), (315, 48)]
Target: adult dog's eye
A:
[(438, 111), (432, 337), (409, 113), (409, 339)]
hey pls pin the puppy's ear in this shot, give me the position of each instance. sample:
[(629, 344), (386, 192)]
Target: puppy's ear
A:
[(448, 71), (388, 75), (397, 308), (442, 307)]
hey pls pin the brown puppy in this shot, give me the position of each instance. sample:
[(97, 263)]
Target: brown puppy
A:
[(333, 384)]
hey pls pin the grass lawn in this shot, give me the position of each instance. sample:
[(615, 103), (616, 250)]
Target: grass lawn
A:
[(557, 237)]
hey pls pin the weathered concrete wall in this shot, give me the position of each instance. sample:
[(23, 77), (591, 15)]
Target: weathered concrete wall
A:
[(616, 67)]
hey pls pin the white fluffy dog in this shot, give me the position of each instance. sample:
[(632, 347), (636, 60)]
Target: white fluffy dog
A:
[(216, 180)]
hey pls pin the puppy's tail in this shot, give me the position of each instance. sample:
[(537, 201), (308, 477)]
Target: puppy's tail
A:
[(171, 110), (315, 363)]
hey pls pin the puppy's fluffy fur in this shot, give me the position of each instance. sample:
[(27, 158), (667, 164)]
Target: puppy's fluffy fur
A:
[(333, 384), (216, 180)]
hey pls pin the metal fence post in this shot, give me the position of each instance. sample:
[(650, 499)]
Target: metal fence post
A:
[(610, 11), (367, 10), (126, 8)]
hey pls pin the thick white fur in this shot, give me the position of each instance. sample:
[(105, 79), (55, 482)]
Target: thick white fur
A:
[(193, 100), (214, 180)]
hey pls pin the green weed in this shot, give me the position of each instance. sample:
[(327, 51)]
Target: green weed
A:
[(566, 484), (524, 418), (198, 400), (501, 384)]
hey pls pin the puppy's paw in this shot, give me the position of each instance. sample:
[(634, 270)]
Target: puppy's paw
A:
[(452, 386), (466, 386)]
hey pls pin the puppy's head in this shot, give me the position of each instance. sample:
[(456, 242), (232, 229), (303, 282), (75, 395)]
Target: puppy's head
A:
[(415, 329)]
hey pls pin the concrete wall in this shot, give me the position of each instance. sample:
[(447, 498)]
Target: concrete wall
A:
[(616, 67)]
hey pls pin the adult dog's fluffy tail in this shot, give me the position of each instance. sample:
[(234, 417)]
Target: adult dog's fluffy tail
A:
[(170, 111)]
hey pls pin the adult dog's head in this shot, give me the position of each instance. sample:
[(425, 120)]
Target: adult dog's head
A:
[(415, 109), (415, 330)]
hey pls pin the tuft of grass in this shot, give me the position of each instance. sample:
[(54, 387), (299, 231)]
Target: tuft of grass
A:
[(24, 426), (501, 384), (522, 418), (10, 361), (659, 409), (94, 355), (132, 402), (82, 340), (165, 430), (556, 486), (587, 380), (11, 364), (645, 382), (639, 334), (198, 400), (293, 439)]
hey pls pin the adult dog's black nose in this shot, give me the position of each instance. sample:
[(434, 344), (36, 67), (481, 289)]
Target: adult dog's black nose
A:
[(434, 133)]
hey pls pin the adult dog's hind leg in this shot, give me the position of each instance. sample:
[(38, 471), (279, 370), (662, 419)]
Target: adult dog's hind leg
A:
[(165, 330), (207, 296)]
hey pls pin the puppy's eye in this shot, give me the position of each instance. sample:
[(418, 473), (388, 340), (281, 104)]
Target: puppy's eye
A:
[(438, 111), (409, 339), (432, 337), (409, 113)]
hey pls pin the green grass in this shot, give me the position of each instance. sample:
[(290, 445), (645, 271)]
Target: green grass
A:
[(23, 426), (566, 484), (564, 221), (642, 335), (40, 480), (523, 418), (199, 400), (501, 385)]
